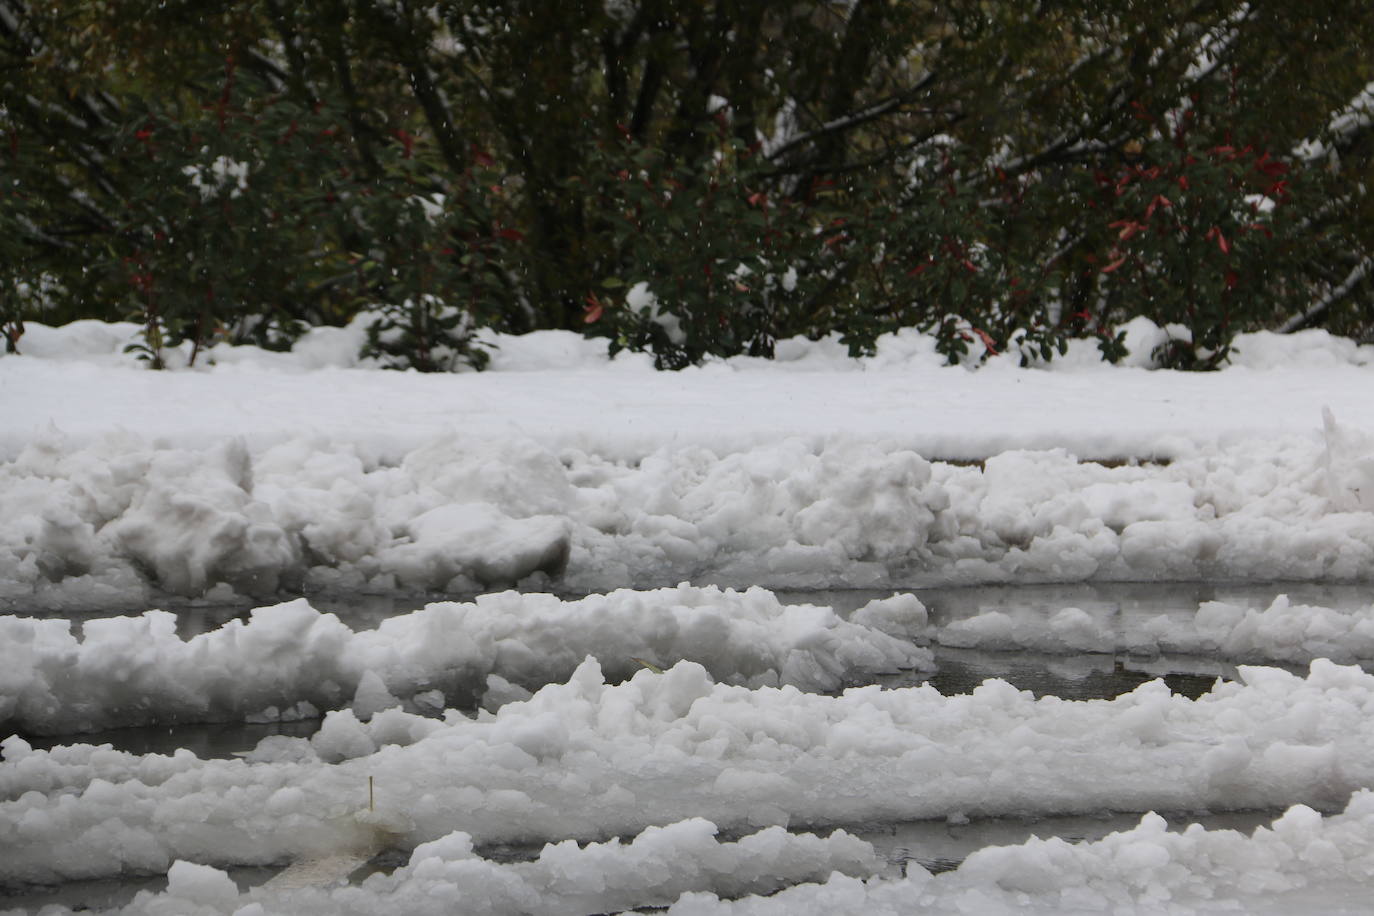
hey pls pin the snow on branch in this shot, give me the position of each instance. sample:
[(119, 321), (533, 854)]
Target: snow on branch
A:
[(853, 119), (1335, 295)]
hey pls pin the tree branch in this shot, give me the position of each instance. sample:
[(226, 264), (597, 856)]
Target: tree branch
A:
[(1333, 296), (855, 119)]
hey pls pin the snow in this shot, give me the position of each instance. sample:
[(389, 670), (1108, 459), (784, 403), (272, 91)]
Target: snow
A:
[(671, 723), (136, 670), (590, 759), (562, 391), (445, 876), (86, 526), (1282, 632), (264, 473), (1145, 870)]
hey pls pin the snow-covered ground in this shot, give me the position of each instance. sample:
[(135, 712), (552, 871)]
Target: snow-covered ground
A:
[(255, 476), (664, 713)]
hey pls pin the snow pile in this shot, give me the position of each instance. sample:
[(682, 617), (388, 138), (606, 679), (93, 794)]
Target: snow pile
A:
[(587, 759), (103, 524), (91, 525), (446, 877), (290, 660), (1281, 632), (1303, 863)]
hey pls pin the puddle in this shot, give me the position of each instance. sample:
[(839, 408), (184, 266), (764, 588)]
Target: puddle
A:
[(1123, 600), (207, 740), (110, 893), (1069, 677), (942, 845)]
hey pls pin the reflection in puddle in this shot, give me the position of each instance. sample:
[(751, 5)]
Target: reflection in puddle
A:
[(1084, 677), (207, 740), (1127, 600), (111, 893), (1124, 600), (942, 845)]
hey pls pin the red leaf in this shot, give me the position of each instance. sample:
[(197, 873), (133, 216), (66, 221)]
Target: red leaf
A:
[(593, 310), (1232, 278), (510, 235), (1159, 201), (987, 341), (482, 157), (757, 199), (1114, 265), (1224, 245), (1129, 227)]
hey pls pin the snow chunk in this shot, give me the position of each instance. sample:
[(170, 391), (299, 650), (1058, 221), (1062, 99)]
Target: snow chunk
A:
[(200, 884)]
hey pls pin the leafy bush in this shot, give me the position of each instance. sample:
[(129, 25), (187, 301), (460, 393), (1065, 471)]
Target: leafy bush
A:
[(689, 178)]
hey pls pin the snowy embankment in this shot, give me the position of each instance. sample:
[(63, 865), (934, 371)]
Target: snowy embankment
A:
[(270, 472), (290, 661), (589, 759), (118, 521)]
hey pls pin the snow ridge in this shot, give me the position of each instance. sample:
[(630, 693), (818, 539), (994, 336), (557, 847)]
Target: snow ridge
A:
[(589, 759), (89, 526), (290, 660)]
